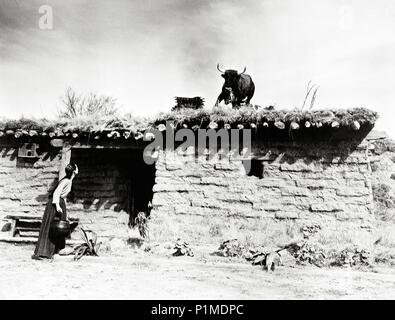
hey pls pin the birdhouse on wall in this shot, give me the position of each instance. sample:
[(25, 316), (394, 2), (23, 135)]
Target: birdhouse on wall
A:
[(28, 150)]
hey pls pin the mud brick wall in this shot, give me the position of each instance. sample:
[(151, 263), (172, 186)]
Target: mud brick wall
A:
[(26, 183), (99, 194), (289, 182)]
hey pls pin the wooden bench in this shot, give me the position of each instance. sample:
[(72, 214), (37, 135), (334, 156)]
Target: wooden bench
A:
[(24, 226), (69, 242)]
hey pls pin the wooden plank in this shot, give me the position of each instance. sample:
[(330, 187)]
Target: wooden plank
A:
[(17, 239), (24, 234), (33, 240), (19, 216), (31, 218), (31, 221), (27, 229)]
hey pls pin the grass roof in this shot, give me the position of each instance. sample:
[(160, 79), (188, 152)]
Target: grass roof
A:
[(201, 118), (78, 124), (247, 116)]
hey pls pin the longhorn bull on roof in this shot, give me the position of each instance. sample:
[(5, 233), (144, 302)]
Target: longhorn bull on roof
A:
[(237, 88)]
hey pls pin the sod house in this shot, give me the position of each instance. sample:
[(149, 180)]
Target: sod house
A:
[(242, 172)]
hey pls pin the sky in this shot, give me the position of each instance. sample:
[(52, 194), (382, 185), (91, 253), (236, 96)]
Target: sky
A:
[(146, 52)]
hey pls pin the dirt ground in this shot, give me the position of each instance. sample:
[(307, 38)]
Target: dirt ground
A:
[(135, 274)]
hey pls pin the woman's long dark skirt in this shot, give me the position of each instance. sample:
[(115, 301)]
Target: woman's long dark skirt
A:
[(47, 245)]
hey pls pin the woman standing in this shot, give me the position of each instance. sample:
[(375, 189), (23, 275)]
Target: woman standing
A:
[(48, 245)]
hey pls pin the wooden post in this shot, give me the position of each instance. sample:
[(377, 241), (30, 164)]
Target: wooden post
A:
[(66, 155)]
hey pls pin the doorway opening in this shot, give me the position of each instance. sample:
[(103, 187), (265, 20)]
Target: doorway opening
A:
[(112, 179)]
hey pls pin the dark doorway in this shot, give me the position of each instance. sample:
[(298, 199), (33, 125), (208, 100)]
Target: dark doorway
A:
[(112, 179)]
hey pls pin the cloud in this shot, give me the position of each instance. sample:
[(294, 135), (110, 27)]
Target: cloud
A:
[(146, 52)]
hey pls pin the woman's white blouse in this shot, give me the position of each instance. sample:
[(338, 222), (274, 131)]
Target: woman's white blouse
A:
[(62, 190)]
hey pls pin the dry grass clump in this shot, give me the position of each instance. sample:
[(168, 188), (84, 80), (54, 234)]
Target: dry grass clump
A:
[(350, 256), (231, 248), (384, 202), (182, 248)]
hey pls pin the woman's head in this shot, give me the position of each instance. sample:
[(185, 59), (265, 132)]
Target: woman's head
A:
[(70, 170)]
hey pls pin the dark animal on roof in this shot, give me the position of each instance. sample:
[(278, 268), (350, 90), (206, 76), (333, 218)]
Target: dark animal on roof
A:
[(238, 87)]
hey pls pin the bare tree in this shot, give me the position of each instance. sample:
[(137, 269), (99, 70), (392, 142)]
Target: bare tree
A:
[(75, 105)]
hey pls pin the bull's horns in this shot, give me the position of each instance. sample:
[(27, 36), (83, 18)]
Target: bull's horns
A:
[(219, 68), (245, 68)]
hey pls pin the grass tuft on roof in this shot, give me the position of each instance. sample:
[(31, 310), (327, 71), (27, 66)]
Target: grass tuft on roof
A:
[(223, 117), (248, 116)]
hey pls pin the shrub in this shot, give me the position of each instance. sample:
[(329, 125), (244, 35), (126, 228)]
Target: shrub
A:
[(381, 195)]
